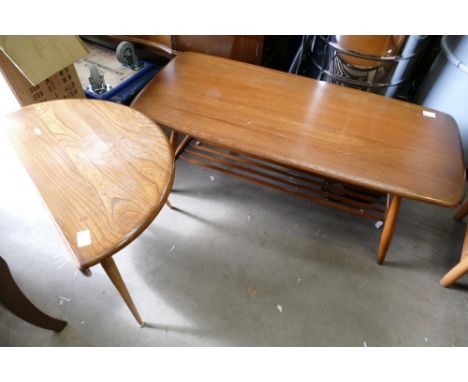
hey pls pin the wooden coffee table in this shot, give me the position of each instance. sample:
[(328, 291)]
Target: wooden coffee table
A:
[(103, 170), (337, 146)]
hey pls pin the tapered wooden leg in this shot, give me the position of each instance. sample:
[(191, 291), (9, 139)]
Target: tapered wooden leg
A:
[(460, 269), (86, 272), (16, 302), (177, 151), (173, 139), (388, 228), (462, 212), (182, 146), (455, 273), (168, 203), (114, 274)]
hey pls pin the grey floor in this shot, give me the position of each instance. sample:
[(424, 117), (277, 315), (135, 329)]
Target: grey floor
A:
[(241, 265)]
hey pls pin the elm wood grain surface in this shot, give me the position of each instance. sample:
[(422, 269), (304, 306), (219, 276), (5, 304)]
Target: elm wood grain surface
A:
[(351, 136), (103, 170)]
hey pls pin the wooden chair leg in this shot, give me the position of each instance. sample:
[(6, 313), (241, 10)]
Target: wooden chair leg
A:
[(388, 228), (112, 271), (460, 269), (462, 212), (15, 301)]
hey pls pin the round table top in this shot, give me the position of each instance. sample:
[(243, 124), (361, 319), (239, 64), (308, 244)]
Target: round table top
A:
[(104, 170)]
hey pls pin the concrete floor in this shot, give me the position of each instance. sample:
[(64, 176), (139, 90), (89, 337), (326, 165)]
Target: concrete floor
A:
[(216, 272)]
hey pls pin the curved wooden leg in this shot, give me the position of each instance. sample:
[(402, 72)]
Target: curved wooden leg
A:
[(388, 228), (460, 269), (16, 302), (114, 274), (462, 212)]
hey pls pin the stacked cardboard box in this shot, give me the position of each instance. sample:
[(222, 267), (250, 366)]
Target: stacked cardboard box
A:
[(40, 68)]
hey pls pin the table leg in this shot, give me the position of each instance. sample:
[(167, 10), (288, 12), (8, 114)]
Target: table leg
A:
[(173, 139), (169, 204), (182, 146), (15, 301), (455, 273), (460, 269), (462, 212), (177, 151), (112, 271), (388, 228)]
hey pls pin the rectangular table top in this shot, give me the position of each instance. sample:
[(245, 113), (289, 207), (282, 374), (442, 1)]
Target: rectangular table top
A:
[(345, 134)]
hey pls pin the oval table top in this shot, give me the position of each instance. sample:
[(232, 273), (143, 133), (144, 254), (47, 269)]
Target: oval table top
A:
[(104, 170)]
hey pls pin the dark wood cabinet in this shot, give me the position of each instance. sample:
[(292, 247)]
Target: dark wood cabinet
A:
[(241, 48)]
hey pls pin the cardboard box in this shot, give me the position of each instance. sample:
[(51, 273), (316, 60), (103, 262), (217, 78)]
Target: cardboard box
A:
[(50, 53)]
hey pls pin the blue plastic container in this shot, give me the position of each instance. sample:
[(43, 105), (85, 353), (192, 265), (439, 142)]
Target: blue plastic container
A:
[(125, 91)]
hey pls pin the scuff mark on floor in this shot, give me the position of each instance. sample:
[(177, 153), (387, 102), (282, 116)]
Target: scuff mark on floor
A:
[(63, 299), (251, 292)]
